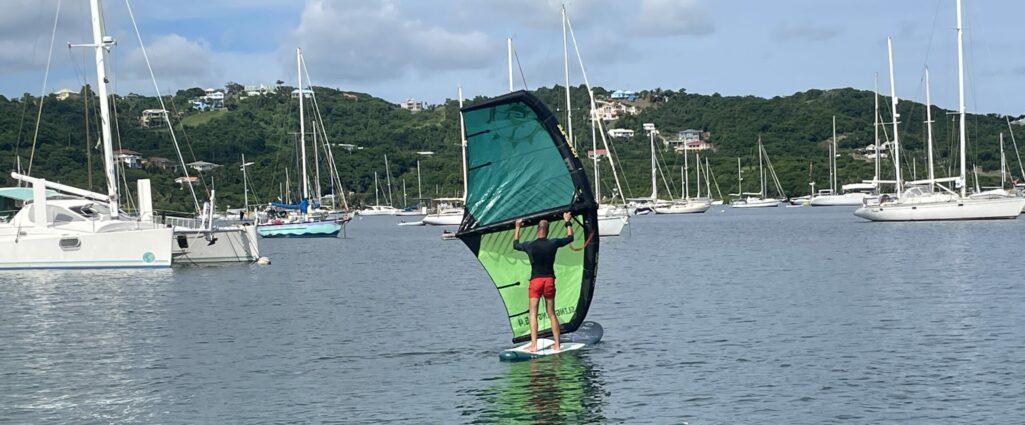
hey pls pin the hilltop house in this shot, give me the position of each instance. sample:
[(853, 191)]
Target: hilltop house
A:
[(869, 151), (63, 94), (597, 153), (611, 111), (212, 99), (307, 93), (162, 163), (413, 105), (202, 166), (621, 133), (129, 158), (256, 89), (623, 95), (152, 117), (690, 139)]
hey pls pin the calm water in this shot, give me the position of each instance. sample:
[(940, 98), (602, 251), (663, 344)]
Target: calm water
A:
[(787, 315)]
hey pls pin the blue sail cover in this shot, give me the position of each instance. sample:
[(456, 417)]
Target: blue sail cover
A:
[(302, 206)]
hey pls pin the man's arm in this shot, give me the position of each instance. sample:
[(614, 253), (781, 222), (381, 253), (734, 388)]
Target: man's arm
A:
[(568, 219), (516, 236)]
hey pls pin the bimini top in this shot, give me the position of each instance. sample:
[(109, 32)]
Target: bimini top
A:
[(520, 166), (22, 193)]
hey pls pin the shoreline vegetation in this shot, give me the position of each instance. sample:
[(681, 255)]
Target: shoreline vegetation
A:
[(795, 129)]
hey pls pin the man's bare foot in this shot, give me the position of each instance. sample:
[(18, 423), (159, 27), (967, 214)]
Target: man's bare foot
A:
[(531, 348), (556, 348)]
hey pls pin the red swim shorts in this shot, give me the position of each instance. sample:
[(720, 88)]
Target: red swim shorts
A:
[(541, 286)]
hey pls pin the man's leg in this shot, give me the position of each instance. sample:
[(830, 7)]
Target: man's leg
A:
[(532, 315), (550, 306)]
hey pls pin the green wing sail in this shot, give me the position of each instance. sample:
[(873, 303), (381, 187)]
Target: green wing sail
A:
[(520, 166)]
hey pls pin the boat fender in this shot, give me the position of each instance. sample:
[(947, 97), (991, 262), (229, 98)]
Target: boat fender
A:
[(263, 261)]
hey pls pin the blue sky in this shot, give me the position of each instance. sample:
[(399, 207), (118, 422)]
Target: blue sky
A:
[(425, 49)]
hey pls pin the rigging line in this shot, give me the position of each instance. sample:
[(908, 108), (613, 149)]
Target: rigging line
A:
[(170, 127), (42, 93), (26, 99), (519, 65), (188, 140), (1015, 143), (323, 131)]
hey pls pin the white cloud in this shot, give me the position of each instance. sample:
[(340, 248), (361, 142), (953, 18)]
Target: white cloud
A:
[(363, 41), (671, 18), (177, 62)]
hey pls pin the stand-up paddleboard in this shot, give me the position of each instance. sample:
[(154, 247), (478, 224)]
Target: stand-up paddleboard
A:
[(589, 333), (519, 166)]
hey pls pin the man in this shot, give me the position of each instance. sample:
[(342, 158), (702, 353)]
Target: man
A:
[(541, 252)]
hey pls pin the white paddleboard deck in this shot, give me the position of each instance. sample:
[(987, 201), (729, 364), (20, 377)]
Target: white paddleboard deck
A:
[(545, 347)]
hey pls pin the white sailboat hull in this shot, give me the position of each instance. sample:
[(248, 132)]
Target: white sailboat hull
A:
[(612, 225), (951, 208), (379, 210), (688, 208), (55, 248), (755, 203), (845, 200), (443, 219), (229, 244)]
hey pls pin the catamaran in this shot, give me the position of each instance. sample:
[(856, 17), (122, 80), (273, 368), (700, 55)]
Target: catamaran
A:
[(302, 221), (521, 167), (921, 201), (686, 204), (758, 199), (80, 228)]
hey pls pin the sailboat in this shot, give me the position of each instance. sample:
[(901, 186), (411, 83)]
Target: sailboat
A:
[(84, 229), (377, 208), (301, 221), (449, 211), (758, 199), (614, 216), (686, 204), (921, 201), (503, 134), (853, 194)]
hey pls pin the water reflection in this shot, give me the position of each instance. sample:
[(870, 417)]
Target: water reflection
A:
[(551, 390)]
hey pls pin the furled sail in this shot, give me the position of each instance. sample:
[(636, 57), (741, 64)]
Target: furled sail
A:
[(520, 166)]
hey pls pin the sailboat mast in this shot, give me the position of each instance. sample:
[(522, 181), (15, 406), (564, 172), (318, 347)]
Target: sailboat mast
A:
[(565, 70), (377, 191), (1003, 163), (316, 164), (302, 124), (740, 180), (960, 98), (387, 176), (245, 184), (594, 151), (893, 102), (697, 166), (875, 127), (99, 47), (508, 50), (928, 122), (761, 170), (832, 158), (654, 184), (686, 174), (708, 178), (462, 141), (419, 187)]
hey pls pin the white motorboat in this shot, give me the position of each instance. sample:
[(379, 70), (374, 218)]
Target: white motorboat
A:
[(374, 210), (448, 212)]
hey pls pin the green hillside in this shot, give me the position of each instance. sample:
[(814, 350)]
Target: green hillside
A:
[(795, 130)]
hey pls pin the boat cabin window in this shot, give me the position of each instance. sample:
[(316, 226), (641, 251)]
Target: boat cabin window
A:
[(90, 210), (60, 215)]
